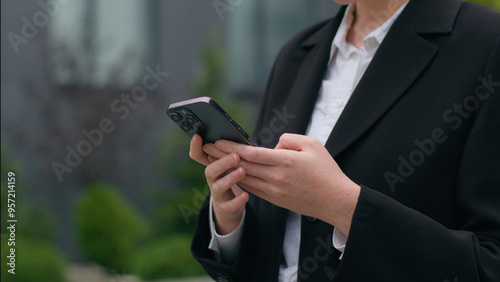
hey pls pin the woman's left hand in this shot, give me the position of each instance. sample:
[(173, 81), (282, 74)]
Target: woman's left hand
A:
[(299, 174)]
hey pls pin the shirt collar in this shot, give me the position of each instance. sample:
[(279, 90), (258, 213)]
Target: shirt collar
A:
[(372, 40)]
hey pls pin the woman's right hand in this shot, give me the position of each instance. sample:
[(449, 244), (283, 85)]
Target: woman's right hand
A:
[(222, 173)]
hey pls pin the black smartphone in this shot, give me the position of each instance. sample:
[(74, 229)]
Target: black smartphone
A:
[(205, 117)]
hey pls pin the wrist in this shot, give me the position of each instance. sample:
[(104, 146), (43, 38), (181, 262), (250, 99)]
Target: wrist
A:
[(343, 203), (225, 224)]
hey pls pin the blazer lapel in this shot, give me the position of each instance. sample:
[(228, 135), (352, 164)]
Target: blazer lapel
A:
[(400, 59), (304, 92)]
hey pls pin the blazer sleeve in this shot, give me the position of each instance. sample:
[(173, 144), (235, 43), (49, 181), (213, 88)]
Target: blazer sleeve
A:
[(237, 271), (391, 242)]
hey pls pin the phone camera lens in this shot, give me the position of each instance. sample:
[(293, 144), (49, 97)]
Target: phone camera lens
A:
[(186, 127), (190, 120), (175, 117)]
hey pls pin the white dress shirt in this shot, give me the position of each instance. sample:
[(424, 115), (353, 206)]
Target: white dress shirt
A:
[(346, 67)]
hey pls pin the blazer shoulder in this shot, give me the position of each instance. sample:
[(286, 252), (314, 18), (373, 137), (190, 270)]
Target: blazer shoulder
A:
[(479, 20), (305, 35)]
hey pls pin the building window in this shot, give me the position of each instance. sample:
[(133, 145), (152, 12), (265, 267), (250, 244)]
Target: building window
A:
[(100, 42), (257, 30)]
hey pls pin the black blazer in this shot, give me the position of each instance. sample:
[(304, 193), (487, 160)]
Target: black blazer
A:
[(420, 134)]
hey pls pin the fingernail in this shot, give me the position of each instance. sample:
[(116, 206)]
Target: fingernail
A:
[(239, 171), (235, 159), (219, 144), (208, 148)]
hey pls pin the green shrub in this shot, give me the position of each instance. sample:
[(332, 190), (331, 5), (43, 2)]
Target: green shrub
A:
[(176, 211), (168, 257), (108, 229), (35, 261)]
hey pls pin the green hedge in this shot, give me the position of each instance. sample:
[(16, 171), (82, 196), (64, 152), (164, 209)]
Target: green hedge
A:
[(108, 229), (168, 257), (34, 261)]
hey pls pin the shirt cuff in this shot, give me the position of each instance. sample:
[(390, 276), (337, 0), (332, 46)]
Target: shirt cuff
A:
[(225, 246), (339, 240)]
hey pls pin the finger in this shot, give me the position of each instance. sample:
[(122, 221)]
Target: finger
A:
[(250, 153), (217, 168), (211, 150), (237, 189), (247, 184), (255, 183), (234, 204), (221, 189), (196, 152), (211, 159), (258, 170), (294, 142)]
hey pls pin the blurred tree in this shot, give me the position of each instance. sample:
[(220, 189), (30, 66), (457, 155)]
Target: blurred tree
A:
[(63, 118)]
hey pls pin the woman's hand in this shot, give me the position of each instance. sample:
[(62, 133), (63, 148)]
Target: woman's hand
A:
[(228, 200), (299, 175)]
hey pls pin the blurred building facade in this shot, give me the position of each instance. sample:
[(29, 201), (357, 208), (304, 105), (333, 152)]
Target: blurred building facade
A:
[(109, 43)]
